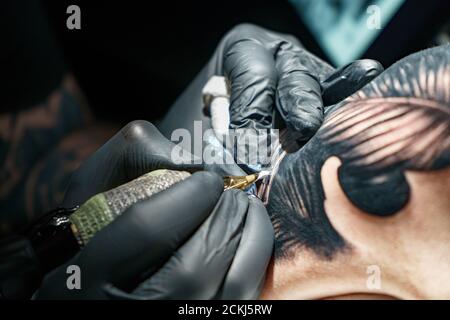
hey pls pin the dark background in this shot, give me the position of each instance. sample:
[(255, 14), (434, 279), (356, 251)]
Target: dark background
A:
[(133, 58), (141, 55)]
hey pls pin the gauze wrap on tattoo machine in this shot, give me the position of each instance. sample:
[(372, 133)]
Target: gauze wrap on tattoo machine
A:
[(103, 208)]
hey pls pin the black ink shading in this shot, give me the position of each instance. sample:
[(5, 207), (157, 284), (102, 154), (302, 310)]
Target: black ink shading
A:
[(399, 122)]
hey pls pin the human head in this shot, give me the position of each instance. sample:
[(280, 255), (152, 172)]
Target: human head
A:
[(371, 191)]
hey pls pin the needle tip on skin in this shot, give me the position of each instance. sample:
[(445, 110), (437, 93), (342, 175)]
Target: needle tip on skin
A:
[(263, 174)]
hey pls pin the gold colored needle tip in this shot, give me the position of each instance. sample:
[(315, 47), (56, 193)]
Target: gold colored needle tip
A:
[(242, 182)]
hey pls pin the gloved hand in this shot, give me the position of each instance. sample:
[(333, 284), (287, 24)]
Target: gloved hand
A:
[(171, 247), (136, 149), (164, 228), (268, 70)]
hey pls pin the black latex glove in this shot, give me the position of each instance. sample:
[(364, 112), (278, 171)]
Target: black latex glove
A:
[(269, 70), (170, 247), (136, 149), (264, 67)]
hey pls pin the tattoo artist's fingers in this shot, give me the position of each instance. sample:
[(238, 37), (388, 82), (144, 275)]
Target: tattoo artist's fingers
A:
[(250, 68), (197, 269), (246, 275), (146, 149), (136, 149), (145, 235), (347, 80), (299, 94), (321, 68)]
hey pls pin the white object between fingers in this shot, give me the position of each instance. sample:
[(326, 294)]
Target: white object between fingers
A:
[(216, 97)]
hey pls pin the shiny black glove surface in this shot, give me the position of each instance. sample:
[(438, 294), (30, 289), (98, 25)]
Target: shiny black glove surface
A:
[(172, 247), (263, 67), (267, 70), (136, 149)]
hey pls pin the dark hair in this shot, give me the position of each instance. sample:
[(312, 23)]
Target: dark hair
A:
[(399, 122)]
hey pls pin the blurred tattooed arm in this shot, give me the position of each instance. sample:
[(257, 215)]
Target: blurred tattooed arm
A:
[(41, 114), (399, 123), (40, 147)]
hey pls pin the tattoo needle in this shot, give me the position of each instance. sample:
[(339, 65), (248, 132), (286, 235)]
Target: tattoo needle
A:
[(242, 182)]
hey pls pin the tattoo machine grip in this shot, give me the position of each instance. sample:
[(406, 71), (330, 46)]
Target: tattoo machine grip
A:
[(103, 208)]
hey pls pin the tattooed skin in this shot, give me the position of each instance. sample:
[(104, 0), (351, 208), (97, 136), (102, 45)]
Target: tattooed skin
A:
[(39, 149), (399, 122)]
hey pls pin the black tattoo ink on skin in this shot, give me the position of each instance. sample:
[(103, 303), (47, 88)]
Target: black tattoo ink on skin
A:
[(399, 122)]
